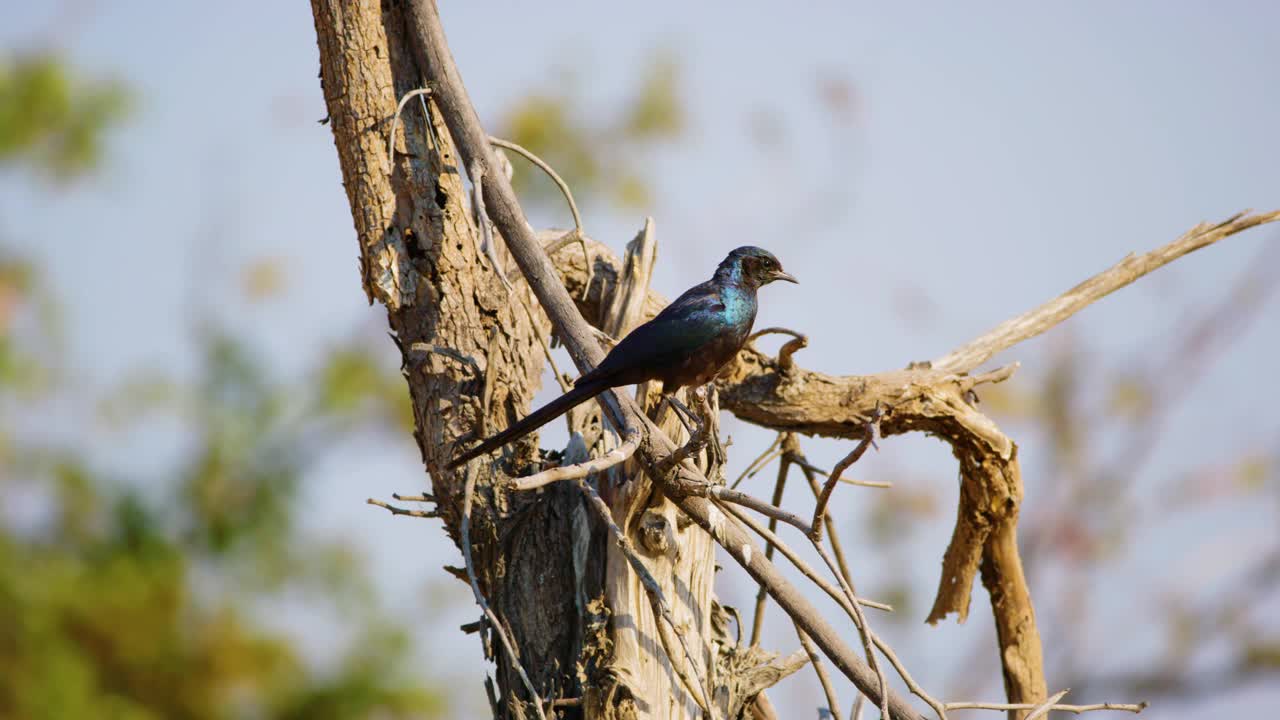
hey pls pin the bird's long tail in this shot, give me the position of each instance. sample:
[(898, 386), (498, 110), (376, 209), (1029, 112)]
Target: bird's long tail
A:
[(536, 419)]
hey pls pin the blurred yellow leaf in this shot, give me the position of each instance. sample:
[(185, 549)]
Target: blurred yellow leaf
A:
[(263, 279)]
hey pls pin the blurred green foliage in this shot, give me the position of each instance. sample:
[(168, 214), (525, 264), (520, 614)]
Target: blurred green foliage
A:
[(142, 598), (99, 611), (603, 157), (53, 120)]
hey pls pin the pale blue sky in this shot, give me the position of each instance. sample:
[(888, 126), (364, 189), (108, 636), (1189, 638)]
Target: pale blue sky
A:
[(1001, 152)]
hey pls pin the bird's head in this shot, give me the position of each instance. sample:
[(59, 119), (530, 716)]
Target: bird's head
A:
[(753, 266)]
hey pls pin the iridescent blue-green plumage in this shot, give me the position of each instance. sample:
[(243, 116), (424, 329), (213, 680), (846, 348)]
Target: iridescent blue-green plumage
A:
[(687, 344)]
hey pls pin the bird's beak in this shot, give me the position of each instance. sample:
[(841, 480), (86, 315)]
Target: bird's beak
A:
[(779, 275)]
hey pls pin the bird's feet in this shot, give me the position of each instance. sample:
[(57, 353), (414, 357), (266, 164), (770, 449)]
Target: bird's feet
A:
[(686, 416), (709, 424), (702, 427)]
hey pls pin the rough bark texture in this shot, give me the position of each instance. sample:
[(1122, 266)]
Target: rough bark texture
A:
[(419, 258)]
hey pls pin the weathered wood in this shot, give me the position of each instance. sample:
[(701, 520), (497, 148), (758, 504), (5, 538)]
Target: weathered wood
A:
[(419, 258)]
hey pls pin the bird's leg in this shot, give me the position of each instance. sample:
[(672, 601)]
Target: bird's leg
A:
[(696, 427), (686, 416), (702, 434), (709, 424)]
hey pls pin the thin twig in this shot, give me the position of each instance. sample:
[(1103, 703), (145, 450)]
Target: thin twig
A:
[(424, 348), (494, 623), (740, 498), (774, 331), (843, 602), (562, 241), (546, 345), (395, 121), (805, 569), (581, 470), (403, 511), (871, 428), (798, 341), (489, 249), (761, 460), (864, 629), (816, 660), (792, 448), (806, 465), (487, 246), (845, 598), (912, 685), (1077, 709), (551, 173), (762, 595), (858, 704), (1043, 708), (578, 233), (815, 537), (414, 498)]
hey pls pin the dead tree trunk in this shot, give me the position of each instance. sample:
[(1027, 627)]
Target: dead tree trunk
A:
[(473, 353), (568, 582)]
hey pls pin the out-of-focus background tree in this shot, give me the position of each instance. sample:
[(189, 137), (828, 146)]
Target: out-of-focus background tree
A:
[(195, 400), (140, 595)]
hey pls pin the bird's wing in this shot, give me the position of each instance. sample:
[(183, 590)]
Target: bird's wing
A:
[(695, 319)]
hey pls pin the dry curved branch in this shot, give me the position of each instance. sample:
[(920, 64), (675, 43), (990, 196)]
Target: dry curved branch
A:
[(868, 440), (583, 469), (1037, 320), (577, 233), (395, 123), (798, 341), (551, 173)]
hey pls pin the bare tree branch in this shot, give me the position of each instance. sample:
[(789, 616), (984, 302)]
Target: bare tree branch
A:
[(762, 596), (820, 508), (1037, 320), (833, 704), (618, 455), (1077, 709), (403, 511)]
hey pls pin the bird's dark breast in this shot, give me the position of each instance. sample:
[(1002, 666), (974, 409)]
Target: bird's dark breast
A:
[(701, 367)]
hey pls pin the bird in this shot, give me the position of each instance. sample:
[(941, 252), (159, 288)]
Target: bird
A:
[(685, 345)]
